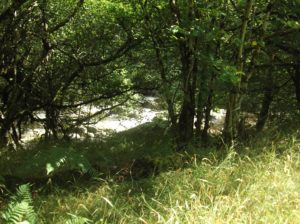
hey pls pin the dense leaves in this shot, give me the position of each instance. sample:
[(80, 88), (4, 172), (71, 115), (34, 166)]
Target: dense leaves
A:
[(57, 56)]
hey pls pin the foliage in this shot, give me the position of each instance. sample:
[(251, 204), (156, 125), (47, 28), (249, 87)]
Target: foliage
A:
[(60, 158), (49, 58), (20, 208), (59, 57), (78, 220)]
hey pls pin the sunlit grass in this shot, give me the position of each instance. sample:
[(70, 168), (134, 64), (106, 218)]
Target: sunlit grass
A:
[(260, 185)]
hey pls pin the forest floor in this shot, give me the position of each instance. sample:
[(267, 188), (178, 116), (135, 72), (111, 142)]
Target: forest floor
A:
[(134, 176)]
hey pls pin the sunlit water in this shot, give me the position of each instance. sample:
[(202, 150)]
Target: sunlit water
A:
[(117, 123)]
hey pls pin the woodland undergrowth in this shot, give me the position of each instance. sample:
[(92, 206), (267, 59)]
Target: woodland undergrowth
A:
[(246, 183)]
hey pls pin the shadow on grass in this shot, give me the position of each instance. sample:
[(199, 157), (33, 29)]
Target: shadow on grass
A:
[(133, 156)]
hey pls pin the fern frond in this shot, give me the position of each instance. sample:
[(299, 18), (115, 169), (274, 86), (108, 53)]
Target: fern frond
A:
[(23, 194), (74, 219), (20, 208)]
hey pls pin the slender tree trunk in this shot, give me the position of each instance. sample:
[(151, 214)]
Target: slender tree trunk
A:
[(267, 100), (10, 112), (186, 117), (200, 107), (211, 84), (14, 135), (51, 123), (202, 98), (199, 119), (234, 102), (187, 48), (165, 84), (165, 87), (264, 111), (296, 81), (3, 133), (229, 125), (208, 108)]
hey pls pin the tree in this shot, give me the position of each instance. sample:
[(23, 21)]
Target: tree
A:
[(46, 55)]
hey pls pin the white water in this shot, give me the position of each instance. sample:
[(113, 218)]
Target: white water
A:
[(113, 123), (118, 123), (217, 121)]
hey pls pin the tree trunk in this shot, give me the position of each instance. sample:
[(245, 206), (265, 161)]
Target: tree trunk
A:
[(51, 125), (200, 107), (202, 97), (11, 111), (264, 111), (187, 114), (165, 87), (296, 81), (187, 48), (165, 84), (3, 134), (230, 118), (267, 100), (235, 97), (208, 109)]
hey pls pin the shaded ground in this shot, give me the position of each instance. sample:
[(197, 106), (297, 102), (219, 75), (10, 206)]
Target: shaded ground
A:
[(119, 154)]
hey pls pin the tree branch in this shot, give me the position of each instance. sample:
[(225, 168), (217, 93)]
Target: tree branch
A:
[(68, 18), (10, 10)]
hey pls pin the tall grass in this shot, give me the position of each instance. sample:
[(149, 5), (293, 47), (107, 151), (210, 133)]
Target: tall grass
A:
[(260, 184)]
